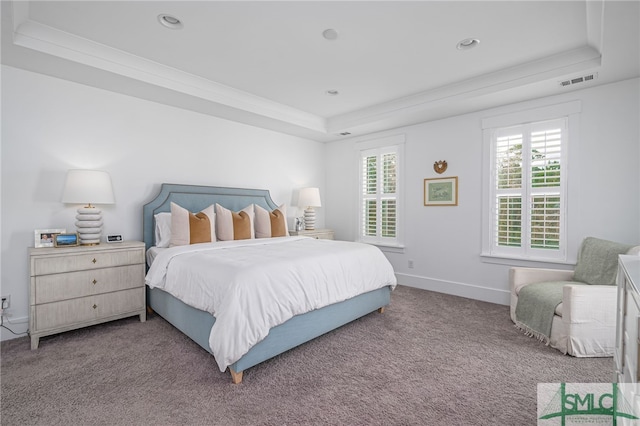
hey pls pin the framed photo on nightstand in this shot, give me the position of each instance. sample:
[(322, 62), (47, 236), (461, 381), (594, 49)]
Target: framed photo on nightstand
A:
[(45, 237)]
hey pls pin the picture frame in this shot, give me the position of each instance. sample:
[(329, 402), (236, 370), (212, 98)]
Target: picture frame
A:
[(45, 237), (441, 191), (65, 240)]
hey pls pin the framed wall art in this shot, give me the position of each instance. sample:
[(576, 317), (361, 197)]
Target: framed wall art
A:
[(441, 191), (45, 237)]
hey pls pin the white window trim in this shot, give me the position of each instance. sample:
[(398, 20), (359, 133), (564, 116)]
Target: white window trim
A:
[(398, 142), (571, 111)]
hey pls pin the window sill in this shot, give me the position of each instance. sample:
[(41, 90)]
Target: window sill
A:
[(385, 247), (390, 249), (526, 262)]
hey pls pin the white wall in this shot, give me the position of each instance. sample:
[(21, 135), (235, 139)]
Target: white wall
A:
[(445, 242), (51, 125)]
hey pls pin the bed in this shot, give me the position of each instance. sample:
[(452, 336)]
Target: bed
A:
[(197, 323)]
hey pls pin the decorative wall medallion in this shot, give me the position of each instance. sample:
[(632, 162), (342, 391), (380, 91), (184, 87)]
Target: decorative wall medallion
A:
[(440, 166)]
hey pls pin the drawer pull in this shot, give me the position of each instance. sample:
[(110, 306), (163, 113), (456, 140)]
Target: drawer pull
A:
[(94, 282), (94, 260), (95, 306)]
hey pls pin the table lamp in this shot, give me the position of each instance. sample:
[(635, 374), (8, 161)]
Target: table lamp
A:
[(308, 199), (88, 187)]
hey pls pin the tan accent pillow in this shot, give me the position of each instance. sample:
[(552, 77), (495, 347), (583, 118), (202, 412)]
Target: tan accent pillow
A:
[(234, 225), (271, 223), (192, 228)]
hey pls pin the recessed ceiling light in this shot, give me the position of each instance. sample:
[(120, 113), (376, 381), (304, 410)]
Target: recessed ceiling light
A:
[(332, 92), (330, 34), (468, 43), (170, 21)]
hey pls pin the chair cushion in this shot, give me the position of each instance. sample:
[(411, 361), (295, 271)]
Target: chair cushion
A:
[(598, 261)]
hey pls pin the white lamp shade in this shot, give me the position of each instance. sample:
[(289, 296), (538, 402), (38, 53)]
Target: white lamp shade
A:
[(88, 187), (309, 197)]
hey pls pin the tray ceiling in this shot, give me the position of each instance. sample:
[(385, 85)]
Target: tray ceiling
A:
[(267, 63)]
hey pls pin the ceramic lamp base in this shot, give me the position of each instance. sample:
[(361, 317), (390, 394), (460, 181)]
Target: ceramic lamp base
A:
[(309, 219), (89, 225)]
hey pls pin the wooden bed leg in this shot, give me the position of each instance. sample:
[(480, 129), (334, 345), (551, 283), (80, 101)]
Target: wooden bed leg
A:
[(381, 310), (149, 310), (236, 378)]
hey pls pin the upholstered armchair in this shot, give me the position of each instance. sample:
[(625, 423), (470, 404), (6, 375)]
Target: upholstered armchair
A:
[(573, 311)]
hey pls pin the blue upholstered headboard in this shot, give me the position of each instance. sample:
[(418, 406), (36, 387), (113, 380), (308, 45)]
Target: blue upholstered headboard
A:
[(196, 198)]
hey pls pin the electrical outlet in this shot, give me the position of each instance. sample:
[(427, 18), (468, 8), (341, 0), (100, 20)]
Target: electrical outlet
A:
[(6, 302), (410, 263)]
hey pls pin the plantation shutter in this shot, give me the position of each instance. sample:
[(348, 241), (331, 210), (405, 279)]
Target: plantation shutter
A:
[(529, 190), (379, 195)]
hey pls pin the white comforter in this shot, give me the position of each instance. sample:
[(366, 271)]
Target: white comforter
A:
[(251, 286)]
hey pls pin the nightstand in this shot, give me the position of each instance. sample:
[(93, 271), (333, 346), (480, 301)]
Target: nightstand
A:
[(318, 234), (74, 287)]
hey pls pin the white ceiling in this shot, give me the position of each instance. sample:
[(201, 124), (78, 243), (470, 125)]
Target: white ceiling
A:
[(266, 63)]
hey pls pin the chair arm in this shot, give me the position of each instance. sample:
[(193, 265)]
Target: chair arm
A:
[(589, 319), (519, 277), (589, 303)]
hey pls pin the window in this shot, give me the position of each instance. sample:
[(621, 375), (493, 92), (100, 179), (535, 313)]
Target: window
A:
[(525, 212), (379, 195)]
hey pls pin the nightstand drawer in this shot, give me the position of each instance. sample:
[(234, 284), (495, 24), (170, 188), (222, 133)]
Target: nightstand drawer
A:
[(86, 261), (74, 312), (55, 287)]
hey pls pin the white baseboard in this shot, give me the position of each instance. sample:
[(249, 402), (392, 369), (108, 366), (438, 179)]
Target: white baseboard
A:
[(18, 325), (492, 295)]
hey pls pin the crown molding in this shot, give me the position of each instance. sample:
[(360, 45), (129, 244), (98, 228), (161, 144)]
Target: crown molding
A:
[(563, 63), (116, 70), (42, 38)]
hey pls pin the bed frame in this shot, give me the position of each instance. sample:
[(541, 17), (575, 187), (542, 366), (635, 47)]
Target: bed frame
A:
[(197, 324)]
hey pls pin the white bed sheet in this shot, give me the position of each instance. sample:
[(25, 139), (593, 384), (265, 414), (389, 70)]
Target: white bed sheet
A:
[(251, 286), (152, 253)]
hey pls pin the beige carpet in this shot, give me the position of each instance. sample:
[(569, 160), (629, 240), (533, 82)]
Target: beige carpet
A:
[(429, 359)]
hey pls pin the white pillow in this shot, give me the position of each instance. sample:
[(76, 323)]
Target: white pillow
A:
[(192, 228), (234, 225), (163, 229), (271, 223)]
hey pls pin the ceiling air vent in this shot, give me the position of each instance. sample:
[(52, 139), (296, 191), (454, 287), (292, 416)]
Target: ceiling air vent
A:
[(577, 80)]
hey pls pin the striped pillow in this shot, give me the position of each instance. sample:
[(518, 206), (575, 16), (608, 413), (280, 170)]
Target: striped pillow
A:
[(271, 224), (192, 228), (234, 225)]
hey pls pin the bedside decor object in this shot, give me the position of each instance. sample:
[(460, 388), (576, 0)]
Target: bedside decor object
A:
[(44, 237), (440, 166), (87, 187), (441, 191), (65, 240), (308, 199), (115, 238)]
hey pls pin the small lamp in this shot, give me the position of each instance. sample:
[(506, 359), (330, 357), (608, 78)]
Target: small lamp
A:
[(87, 187), (309, 198)]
